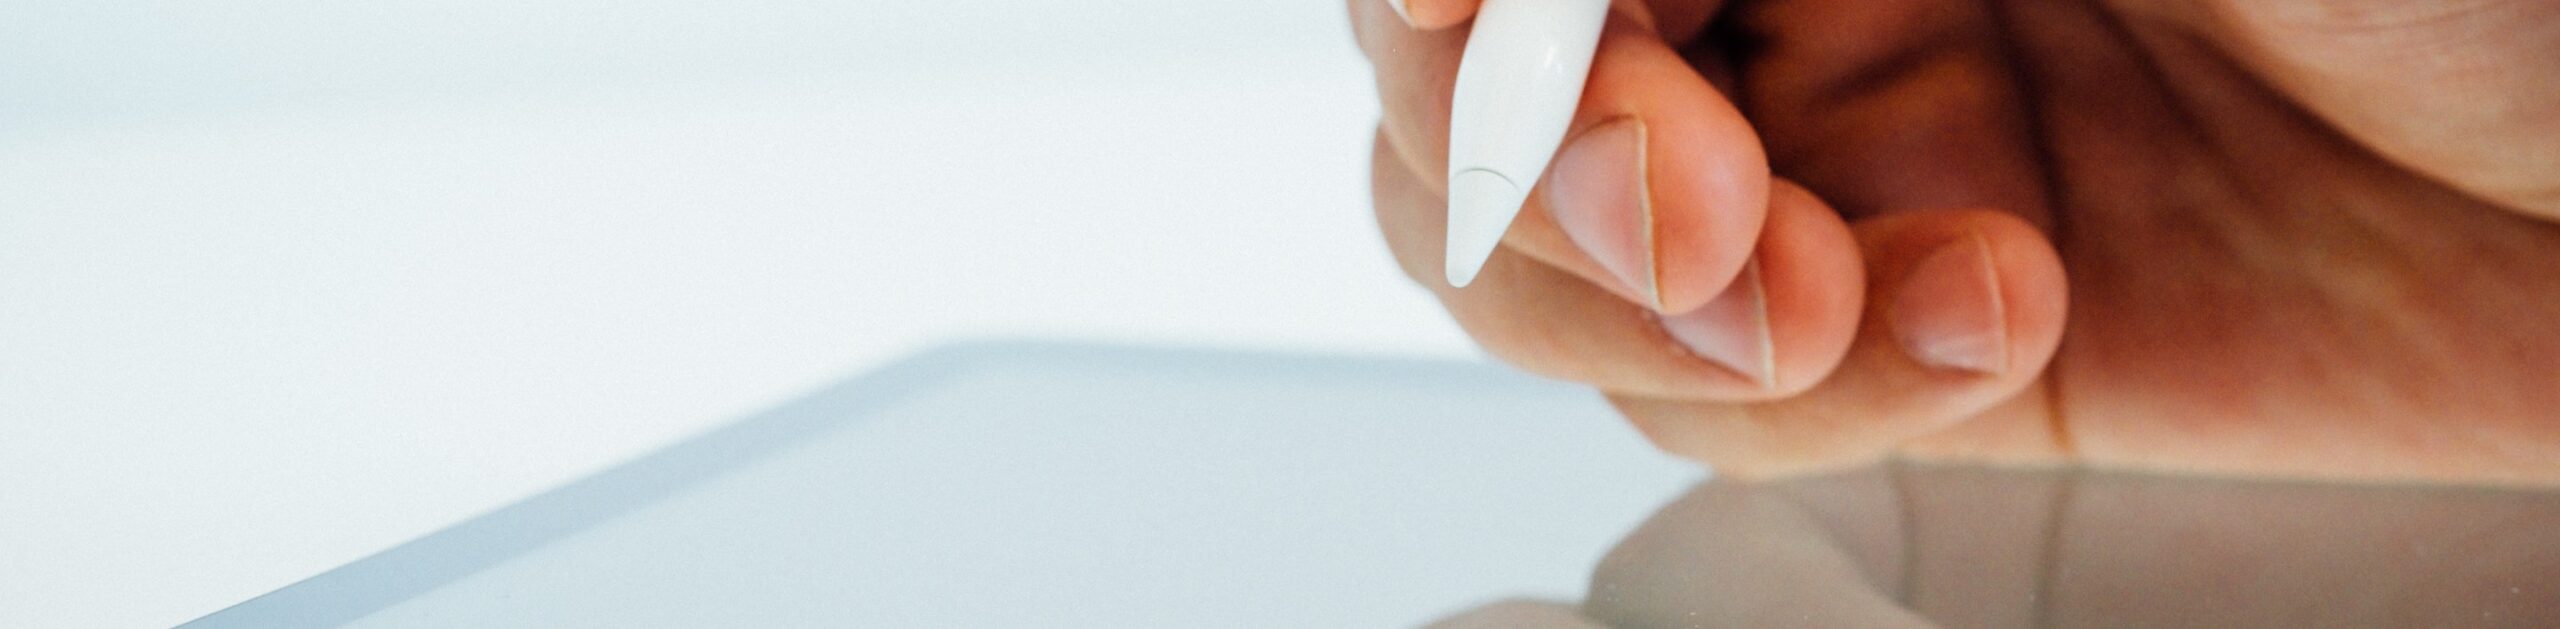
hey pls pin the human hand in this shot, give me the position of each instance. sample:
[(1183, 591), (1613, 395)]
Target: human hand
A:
[(2303, 237)]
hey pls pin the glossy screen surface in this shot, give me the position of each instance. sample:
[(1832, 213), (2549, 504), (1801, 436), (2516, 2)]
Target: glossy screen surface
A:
[(1042, 485), (1047, 486)]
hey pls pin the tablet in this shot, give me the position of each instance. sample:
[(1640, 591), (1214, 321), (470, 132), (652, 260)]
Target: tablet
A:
[(1029, 484)]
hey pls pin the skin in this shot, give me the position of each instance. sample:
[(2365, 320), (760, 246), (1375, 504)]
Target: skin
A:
[(2294, 238)]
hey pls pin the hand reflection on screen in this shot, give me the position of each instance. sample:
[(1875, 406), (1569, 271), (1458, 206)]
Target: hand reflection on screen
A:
[(1970, 547)]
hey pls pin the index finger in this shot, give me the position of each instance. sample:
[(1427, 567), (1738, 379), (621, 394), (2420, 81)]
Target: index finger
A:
[(1667, 219)]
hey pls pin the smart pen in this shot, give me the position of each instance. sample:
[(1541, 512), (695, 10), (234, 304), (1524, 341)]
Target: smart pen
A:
[(1518, 84)]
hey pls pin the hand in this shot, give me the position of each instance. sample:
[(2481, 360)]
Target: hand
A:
[(2302, 237)]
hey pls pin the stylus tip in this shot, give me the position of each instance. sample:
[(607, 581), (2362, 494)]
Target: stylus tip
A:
[(1481, 205)]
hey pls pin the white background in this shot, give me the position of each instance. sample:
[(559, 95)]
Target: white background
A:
[(286, 283)]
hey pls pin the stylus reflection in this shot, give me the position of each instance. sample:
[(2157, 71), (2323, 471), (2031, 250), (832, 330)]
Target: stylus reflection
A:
[(1921, 546)]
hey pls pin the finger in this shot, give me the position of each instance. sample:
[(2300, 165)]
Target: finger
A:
[(1432, 14), (1784, 324), (1964, 309), (1659, 190), (1677, 20), (1883, 107)]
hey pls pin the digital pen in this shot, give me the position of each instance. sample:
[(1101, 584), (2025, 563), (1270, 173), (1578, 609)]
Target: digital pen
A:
[(1518, 84)]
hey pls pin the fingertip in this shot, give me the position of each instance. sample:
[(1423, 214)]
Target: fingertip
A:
[(1435, 14), (1971, 293), (2037, 286), (1665, 224), (1789, 317), (1704, 178), (1949, 313), (1817, 283)]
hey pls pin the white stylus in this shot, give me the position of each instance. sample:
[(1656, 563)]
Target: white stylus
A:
[(1517, 88)]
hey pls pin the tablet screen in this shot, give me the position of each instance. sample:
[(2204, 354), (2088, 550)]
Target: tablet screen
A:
[(1025, 485), (1058, 486)]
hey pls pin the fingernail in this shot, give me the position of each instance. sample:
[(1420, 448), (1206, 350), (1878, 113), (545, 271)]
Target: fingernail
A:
[(1732, 330), (1401, 12), (1598, 193), (1949, 312)]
